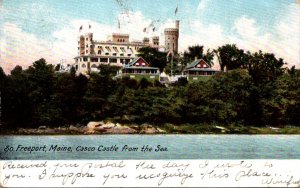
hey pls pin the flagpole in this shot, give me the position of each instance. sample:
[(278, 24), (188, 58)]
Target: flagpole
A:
[(172, 65)]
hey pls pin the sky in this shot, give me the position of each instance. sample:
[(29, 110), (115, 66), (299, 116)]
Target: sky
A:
[(31, 29)]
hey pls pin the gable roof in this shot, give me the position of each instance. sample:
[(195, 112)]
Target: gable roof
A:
[(131, 64), (195, 63)]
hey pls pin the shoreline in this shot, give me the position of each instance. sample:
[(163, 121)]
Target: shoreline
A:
[(101, 128)]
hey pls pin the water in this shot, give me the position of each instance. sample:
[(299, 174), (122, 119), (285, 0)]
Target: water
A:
[(178, 146)]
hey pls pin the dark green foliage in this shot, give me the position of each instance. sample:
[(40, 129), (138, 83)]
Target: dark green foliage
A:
[(182, 81), (144, 83), (255, 91)]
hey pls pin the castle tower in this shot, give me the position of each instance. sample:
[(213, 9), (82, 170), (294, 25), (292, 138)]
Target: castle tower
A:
[(85, 44), (171, 38), (155, 42), (146, 41), (81, 45)]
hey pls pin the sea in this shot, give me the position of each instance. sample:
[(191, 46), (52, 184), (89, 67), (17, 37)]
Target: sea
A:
[(139, 147)]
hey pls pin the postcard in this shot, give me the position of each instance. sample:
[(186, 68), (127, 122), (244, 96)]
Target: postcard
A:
[(149, 93)]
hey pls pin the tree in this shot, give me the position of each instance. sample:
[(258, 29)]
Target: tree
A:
[(194, 52), (2, 78), (99, 88), (265, 67), (154, 57), (16, 104), (231, 57)]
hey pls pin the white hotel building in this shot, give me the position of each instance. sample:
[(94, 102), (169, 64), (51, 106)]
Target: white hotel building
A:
[(119, 50)]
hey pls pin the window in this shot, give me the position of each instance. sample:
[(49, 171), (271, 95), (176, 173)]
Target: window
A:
[(113, 60), (86, 39), (103, 60), (94, 59), (83, 66), (94, 66), (121, 54), (87, 51), (114, 54), (99, 52), (107, 48)]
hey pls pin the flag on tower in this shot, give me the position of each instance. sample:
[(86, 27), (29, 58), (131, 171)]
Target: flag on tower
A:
[(80, 28), (90, 26), (176, 10), (145, 29)]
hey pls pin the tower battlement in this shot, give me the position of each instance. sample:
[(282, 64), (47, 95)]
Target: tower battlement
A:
[(171, 38)]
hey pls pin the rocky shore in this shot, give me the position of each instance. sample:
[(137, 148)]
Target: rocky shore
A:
[(100, 127), (109, 127)]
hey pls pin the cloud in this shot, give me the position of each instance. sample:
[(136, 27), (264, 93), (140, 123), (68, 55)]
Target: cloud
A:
[(210, 35), (245, 27), (248, 36), (202, 5), (288, 35), (18, 47), (283, 41)]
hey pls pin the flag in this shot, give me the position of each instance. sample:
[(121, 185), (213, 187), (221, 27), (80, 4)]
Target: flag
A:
[(176, 10), (80, 28), (145, 29), (154, 29), (90, 26), (119, 24)]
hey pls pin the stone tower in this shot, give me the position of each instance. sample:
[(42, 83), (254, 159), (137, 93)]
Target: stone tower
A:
[(171, 38), (85, 44), (155, 42)]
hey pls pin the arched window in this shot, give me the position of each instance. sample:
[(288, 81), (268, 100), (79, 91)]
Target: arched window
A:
[(94, 66), (99, 52), (83, 66)]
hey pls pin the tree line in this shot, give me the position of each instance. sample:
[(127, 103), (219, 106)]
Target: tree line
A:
[(255, 90)]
